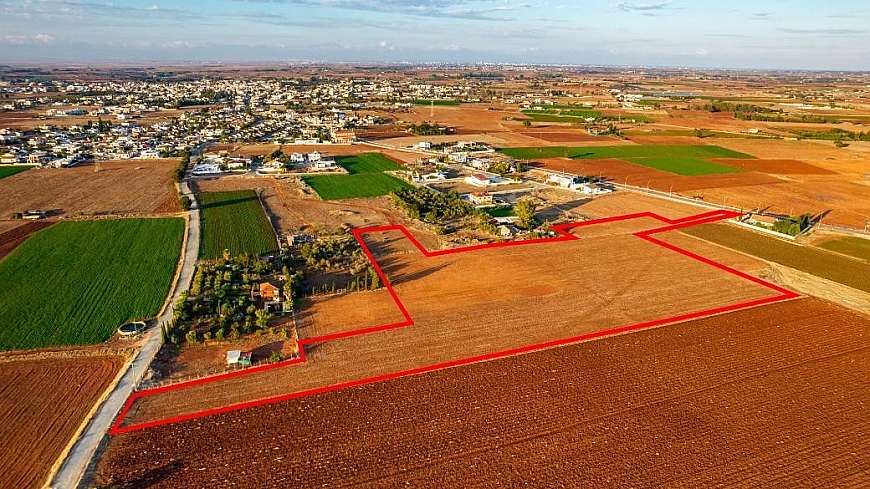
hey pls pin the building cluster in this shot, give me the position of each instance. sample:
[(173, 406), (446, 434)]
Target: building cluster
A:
[(133, 119)]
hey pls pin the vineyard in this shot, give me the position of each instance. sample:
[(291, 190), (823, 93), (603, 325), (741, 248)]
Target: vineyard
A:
[(75, 282), (234, 221)]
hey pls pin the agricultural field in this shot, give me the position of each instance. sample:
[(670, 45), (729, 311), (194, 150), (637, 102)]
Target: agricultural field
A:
[(42, 404), (804, 258), (10, 239), (234, 221), (452, 301), (365, 178), (75, 282), (724, 400), (8, 171), (678, 159), (140, 187), (367, 163), (852, 246), (436, 102)]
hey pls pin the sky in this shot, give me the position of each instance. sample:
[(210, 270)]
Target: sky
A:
[(766, 34)]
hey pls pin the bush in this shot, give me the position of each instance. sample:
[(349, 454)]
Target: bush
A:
[(185, 202)]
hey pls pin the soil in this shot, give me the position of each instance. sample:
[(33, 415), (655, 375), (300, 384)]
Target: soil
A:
[(129, 187), (460, 312), (42, 404), (764, 397), (9, 240)]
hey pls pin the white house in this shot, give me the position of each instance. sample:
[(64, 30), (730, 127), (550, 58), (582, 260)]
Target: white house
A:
[(206, 169), (297, 158), (435, 176), (458, 157), (323, 164), (480, 198), (478, 180), (424, 145), (564, 181), (314, 156)]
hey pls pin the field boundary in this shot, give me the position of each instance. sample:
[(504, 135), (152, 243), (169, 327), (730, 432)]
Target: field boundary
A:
[(561, 234)]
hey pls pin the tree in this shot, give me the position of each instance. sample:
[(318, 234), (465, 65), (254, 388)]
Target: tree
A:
[(525, 211), (527, 123), (263, 317)]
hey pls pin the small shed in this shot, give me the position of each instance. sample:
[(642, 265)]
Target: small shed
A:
[(239, 357)]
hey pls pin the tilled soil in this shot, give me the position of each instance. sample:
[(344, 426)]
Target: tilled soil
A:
[(42, 404), (15, 236), (773, 396), (130, 187), (482, 302)]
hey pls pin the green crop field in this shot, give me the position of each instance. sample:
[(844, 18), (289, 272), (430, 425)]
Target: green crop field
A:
[(9, 170), (678, 159), (441, 102), (332, 187), (367, 163), (75, 282), (804, 258), (234, 221), (852, 246), (366, 178)]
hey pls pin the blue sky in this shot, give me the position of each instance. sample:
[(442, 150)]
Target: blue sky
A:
[(805, 34)]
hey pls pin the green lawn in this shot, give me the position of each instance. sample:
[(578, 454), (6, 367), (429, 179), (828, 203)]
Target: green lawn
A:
[(234, 221), (75, 282), (679, 159), (852, 246), (9, 170), (367, 163), (804, 258), (332, 187)]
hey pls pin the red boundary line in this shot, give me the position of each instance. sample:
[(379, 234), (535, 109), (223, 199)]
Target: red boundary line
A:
[(562, 234)]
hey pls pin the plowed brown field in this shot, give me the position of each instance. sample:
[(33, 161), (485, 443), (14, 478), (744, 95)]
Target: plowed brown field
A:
[(119, 187), (15, 236), (459, 311), (42, 404), (774, 396)]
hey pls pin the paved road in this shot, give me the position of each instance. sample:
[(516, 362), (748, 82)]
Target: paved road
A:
[(73, 468)]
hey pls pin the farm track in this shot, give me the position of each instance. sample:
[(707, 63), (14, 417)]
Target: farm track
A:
[(768, 396)]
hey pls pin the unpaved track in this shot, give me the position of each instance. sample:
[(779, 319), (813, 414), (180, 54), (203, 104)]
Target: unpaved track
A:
[(73, 468)]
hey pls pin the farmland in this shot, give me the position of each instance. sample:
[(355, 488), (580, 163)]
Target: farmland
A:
[(10, 239), (453, 301), (367, 163), (365, 178), (75, 282), (8, 171), (724, 400), (234, 221), (42, 403), (142, 187), (678, 159), (804, 258), (852, 246)]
